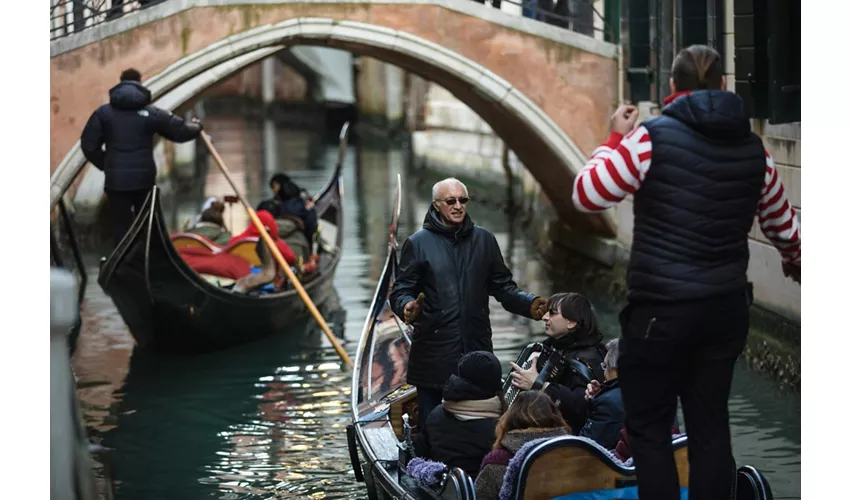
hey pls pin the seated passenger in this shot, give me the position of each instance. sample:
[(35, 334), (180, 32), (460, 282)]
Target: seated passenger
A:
[(207, 204), (460, 431), (533, 415), (269, 223), (290, 200), (605, 412), (290, 230), (572, 330), (211, 224)]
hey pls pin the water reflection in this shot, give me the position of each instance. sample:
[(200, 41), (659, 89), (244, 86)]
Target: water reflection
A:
[(266, 420), (387, 367)]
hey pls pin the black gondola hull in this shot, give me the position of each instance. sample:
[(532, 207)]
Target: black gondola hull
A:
[(169, 307)]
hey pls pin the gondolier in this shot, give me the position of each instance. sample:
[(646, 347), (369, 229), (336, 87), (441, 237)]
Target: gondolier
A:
[(699, 177), (447, 272), (126, 127)]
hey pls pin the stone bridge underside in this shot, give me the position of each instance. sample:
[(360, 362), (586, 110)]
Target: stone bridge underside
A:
[(545, 91)]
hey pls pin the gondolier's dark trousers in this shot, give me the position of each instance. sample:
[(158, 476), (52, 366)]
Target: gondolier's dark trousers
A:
[(427, 398), (123, 207), (687, 351)]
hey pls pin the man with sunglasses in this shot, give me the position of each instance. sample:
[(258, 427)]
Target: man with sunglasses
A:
[(447, 272)]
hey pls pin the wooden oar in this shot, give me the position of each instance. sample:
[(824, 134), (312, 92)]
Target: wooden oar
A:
[(277, 255)]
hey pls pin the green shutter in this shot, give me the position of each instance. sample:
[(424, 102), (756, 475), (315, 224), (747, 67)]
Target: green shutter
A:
[(639, 71), (784, 55), (751, 56)]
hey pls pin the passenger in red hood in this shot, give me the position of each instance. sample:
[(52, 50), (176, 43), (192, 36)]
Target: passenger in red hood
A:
[(271, 226)]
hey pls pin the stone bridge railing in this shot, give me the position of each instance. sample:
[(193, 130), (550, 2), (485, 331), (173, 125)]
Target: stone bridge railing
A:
[(587, 17)]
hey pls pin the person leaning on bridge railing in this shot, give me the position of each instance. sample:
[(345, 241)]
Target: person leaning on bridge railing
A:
[(699, 176), (126, 127)]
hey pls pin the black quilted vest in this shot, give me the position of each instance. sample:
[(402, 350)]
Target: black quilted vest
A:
[(696, 205)]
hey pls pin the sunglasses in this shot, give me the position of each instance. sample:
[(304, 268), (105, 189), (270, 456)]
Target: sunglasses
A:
[(452, 201)]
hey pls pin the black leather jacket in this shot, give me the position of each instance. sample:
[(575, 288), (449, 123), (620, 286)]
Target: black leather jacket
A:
[(457, 269)]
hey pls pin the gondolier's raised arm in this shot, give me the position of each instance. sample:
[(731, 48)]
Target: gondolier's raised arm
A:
[(614, 171), (618, 167)]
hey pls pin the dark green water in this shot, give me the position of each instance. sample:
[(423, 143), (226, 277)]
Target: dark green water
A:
[(266, 420)]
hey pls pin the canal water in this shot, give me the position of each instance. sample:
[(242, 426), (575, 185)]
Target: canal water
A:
[(266, 420)]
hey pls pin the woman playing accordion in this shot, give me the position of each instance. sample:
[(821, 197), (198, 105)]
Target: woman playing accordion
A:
[(564, 363)]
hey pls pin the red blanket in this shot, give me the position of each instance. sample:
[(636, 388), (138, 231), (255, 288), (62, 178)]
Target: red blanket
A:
[(222, 264)]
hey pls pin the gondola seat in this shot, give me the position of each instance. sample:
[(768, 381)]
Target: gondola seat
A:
[(218, 264), (566, 465), (245, 248), (192, 240), (750, 485)]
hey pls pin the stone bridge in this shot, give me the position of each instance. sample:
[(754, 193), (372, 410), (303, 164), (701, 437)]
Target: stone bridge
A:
[(547, 91)]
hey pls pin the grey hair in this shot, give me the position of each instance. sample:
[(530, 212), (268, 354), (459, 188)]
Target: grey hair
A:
[(613, 347), (435, 191)]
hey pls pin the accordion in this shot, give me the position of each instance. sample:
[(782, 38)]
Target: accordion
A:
[(552, 371)]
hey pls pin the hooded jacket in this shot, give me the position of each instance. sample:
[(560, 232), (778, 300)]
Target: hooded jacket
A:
[(126, 126), (696, 206), (458, 269)]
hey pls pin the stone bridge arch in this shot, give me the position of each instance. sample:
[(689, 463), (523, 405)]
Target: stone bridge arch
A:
[(548, 100)]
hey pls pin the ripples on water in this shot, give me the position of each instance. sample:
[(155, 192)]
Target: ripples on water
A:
[(266, 420)]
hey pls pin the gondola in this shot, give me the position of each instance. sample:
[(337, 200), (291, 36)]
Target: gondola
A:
[(169, 307), (383, 407)]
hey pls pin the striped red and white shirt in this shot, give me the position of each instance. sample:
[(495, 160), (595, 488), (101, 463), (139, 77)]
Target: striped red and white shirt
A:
[(617, 168)]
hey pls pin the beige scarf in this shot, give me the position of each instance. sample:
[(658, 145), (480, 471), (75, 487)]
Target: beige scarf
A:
[(474, 409)]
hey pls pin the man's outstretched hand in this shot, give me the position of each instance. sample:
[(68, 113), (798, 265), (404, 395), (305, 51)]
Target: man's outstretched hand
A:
[(413, 308), (539, 308)]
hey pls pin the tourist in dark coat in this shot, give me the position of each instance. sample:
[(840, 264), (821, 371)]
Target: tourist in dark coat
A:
[(292, 201), (456, 266), (461, 430), (126, 127), (605, 412)]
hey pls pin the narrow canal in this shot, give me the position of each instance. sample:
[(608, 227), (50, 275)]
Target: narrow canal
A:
[(267, 420)]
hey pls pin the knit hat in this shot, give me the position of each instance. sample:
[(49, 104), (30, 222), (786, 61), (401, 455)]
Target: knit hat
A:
[(481, 369)]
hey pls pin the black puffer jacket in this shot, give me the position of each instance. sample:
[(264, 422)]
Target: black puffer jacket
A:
[(696, 206), (457, 269), (127, 126), (568, 389)]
